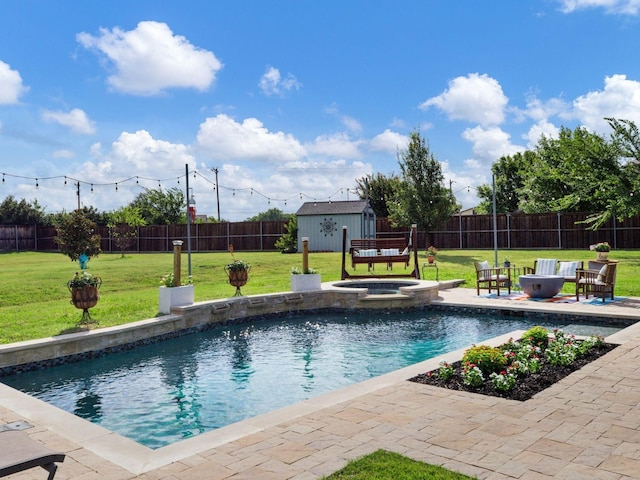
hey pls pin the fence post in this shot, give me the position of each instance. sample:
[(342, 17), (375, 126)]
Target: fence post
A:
[(559, 231)]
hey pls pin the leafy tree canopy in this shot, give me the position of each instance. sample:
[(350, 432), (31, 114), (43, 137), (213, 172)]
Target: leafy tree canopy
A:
[(76, 236), (422, 197), (270, 215), (13, 212), (380, 190), (159, 207)]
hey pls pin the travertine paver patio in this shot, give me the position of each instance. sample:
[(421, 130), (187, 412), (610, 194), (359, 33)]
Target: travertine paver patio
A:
[(586, 426)]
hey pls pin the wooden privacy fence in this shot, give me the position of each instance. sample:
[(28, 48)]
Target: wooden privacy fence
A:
[(550, 231)]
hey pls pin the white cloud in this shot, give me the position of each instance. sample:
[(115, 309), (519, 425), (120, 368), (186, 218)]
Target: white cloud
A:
[(141, 153), (337, 145), (350, 123), (543, 127), (620, 99), (272, 82), (389, 141), (76, 120), (474, 98), (489, 144), (627, 7), (150, 59), (11, 86), (221, 137), (542, 110)]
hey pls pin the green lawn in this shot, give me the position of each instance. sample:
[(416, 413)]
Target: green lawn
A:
[(35, 302), (384, 465)]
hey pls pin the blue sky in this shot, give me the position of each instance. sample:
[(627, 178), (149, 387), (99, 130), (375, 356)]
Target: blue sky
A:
[(294, 100)]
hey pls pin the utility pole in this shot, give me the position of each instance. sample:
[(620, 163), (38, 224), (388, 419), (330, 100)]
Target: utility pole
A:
[(78, 193), (215, 170)]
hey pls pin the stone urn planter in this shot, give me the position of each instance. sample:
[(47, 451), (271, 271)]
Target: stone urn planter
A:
[(169, 297), (305, 282)]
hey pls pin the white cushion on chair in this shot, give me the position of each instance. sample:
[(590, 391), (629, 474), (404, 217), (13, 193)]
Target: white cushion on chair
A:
[(546, 266), (389, 252), (405, 251), (484, 265), (602, 274), (568, 269)]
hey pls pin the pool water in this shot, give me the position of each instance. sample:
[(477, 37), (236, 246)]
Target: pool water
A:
[(167, 391)]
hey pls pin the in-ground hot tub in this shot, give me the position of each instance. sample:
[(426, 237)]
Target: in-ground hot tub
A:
[(378, 287)]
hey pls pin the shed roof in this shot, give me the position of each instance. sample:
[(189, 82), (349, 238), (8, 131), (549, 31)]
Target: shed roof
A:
[(332, 208)]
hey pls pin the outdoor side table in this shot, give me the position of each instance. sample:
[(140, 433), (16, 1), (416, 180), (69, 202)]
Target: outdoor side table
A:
[(430, 265)]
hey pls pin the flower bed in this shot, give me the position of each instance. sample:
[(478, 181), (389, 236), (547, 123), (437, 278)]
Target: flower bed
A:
[(517, 370)]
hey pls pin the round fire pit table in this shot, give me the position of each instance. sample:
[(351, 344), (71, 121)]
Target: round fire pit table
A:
[(541, 286)]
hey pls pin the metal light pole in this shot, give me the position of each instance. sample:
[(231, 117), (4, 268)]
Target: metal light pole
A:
[(495, 221), (186, 169), (215, 170)]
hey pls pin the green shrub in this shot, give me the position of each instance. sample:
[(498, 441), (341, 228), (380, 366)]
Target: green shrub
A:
[(487, 359), (536, 336)]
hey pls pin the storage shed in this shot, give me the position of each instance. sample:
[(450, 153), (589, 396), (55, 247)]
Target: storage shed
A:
[(322, 222)]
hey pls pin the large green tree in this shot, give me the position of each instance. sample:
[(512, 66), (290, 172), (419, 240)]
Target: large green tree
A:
[(160, 207), (380, 190), (13, 212), (509, 173), (575, 172), (422, 198)]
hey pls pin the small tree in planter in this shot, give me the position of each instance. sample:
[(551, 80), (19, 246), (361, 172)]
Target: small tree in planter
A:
[(77, 239)]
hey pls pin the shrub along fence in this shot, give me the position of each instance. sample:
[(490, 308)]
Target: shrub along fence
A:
[(550, 231)]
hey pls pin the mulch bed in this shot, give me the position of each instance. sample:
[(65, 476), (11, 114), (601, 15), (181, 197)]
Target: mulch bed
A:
[(526, 387)]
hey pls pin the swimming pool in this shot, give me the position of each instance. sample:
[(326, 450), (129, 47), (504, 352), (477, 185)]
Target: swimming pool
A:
[(164, 392)]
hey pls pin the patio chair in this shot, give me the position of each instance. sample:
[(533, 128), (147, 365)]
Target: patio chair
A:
[(542, 266), (597, 282), (487, 277), (19, 452)]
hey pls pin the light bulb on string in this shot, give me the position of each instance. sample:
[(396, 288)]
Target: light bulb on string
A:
[(3, 178), (178, 180), (234, 193), (116, 187), (252, 191), (92, 188), (65, 179), (37, 183), (159, 186), (137, 182), (268, 201)]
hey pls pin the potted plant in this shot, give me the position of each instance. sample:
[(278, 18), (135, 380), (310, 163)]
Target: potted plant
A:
[(602, 249), (431, 253), (507, 262), (305, 280), (84, 290), (77, 239), (238, 273), (172, 295)]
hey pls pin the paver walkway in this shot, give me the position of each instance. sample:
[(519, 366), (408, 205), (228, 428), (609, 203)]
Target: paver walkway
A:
[(585, 427)]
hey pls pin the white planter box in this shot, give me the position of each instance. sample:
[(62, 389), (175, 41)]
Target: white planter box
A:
[(175, 296), (305, 282)]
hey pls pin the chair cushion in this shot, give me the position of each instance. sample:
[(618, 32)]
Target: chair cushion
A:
[(483, 265), (546, 266), (568, 269), (405, 251), (372, 252), (602, 274), (389, 252)]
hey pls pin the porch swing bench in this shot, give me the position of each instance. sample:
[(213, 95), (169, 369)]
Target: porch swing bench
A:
[(369, 251)]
